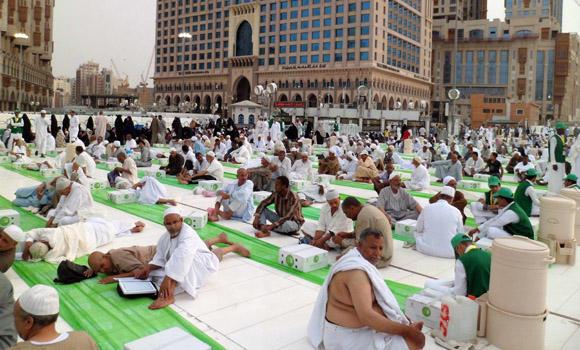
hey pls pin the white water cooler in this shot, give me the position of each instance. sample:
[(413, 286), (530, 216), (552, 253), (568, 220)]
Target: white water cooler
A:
[(558, 225), (516, 308), (574, 194)]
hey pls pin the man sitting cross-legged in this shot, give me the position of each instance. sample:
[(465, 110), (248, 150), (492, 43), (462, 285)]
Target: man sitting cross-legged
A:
[(356, 310), (287, 217), (123, 262), (235, 200), (182, 262)]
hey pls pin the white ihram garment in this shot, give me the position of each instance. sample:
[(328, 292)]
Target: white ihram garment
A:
[(324, 335), (151, 192), (185, 259)]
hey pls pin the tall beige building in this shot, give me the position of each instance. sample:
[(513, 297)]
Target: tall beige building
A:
[(513, 59), (62, 92), (33, 18), (316, 51)]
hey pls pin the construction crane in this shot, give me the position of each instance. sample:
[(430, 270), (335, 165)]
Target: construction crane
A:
[(145, 77), (125, 81)]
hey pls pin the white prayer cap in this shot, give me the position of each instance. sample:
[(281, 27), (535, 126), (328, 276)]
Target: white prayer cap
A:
[(373, 146), (350, 154), (43, 112), (105, 142), (210, 153), (393, 175), (447, 179), (228, 136), (293, 149), (332, 194), (418, 159), (301, 139), (117, 143), (448, 191), (364, 153), (62, 183), (193, 138), (171, 211), (172, 149), (204, 137), (40, 300), (37, 251), (15, 233)]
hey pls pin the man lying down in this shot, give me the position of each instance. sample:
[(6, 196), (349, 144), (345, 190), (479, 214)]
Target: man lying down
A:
[(73, 241), (181, 261)]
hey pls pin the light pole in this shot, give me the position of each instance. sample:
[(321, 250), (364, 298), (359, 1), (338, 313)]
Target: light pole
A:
[(183, 36), (22, 36), (267, 92)]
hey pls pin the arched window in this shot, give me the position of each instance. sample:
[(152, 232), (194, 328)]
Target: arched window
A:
[(244, 45), (240, 119), (251, 119)]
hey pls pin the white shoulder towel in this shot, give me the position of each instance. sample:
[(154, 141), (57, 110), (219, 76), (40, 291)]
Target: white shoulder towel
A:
[(353, 260)]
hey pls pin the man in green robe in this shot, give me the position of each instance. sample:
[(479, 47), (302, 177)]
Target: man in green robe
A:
[(556, 159)]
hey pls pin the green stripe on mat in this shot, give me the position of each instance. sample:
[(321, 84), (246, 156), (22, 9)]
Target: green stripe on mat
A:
[(97, 308), (262, 251)]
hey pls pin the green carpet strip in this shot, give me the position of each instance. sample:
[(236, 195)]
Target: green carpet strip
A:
[(97, 308)]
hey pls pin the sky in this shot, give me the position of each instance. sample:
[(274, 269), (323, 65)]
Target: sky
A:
[(124, 30)]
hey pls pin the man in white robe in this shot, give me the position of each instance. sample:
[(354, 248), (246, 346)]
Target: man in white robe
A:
[(437, 224), (150, 191), (75, 240), (240, 155), (302, 168), (355, 308), (235, 200), (182, 262), (41, 133), (275, 131), (420, 178), (85, 162), (73, 131), (74, 197), (101, 125), (280, 165)]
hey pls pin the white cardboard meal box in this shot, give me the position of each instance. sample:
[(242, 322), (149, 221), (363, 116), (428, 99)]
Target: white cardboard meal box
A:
[(98, 184), (406, 228), (196, 219), (260, 196), (113, 165), (324, 179), (424, 308), (303, 257), (469, 185), (156, 173), (50, 172), (9, 217), (123, 196), (20, 165), (210, 185), (481, 176), (159, 145), (170, 339), (298, 185)]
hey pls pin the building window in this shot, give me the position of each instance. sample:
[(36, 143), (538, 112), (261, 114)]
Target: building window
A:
[(469, 67), (459, 67), (492, 67), (303, 59), (480, 67), (503, 66)]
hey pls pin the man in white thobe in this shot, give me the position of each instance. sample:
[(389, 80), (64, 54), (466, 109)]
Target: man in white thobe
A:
[(332, 221), (74, 197), (101, 125), (437, 224), (75, 240), (41, 130), (275, 131), (280, 165), (240, 155), (420, 178), (182, 262), (302, 168), (85, 162), (234, 200), (150, 191), (73, 131), (474, 165)]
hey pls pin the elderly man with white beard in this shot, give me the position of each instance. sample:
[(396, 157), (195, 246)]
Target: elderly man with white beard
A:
[(302, 168), (74, 196)]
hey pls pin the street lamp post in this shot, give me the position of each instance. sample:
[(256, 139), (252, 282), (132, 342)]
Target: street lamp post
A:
[(183, 36), (22, 36)]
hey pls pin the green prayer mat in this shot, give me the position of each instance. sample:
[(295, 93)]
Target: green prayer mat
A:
[(168, 180), (94, 307)]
